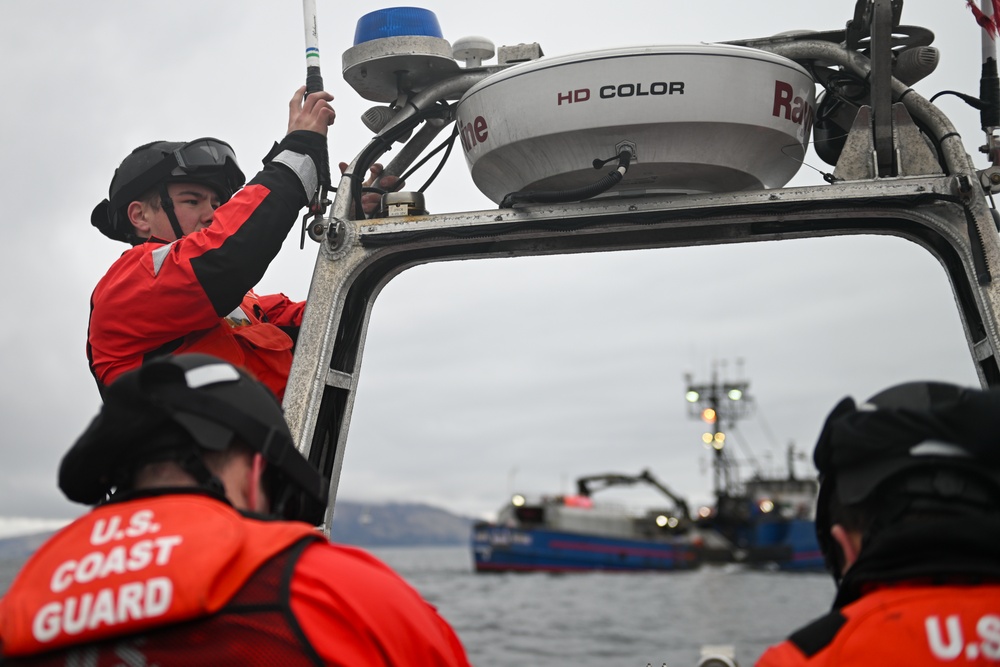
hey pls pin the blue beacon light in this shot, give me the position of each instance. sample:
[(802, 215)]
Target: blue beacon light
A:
[(397, 22)]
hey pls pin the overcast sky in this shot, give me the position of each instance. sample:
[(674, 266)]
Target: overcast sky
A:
[(479, 377)]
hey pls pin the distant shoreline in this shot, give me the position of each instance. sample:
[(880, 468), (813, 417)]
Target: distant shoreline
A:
[(356, 523)]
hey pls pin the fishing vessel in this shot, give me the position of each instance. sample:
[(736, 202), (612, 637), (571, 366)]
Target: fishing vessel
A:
[(769, 524), (761, 521), (764, 520), (562, 533)]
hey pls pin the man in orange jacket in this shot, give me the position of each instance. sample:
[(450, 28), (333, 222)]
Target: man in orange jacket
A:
[(908, 517), (197, 552), (201, 241)]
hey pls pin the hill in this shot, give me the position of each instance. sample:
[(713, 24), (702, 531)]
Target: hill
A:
[(359, 524), (18, 548), (397, 524)]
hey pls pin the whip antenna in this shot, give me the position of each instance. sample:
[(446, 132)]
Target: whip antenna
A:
[(314, 84), (314, 79)]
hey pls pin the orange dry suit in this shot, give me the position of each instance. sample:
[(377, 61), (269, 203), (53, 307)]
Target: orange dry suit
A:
[(184, 579), (921, 595), (194, 294)]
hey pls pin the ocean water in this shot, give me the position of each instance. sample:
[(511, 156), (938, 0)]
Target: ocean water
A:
[(603, 619), (610, 619)]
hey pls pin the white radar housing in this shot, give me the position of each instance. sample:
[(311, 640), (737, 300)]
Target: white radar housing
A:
[(699, 118)]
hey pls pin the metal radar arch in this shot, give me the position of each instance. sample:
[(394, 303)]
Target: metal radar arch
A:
[(619, 174)]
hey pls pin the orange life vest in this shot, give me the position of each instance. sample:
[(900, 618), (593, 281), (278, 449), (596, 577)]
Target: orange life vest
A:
[(130, 567), (902, 624), (261, 348)]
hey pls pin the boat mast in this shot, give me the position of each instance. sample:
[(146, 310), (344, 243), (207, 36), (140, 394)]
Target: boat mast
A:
[(720, 404)]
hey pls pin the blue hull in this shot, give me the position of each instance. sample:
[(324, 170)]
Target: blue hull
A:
[(789, 545), (797, 537), (501, 549)]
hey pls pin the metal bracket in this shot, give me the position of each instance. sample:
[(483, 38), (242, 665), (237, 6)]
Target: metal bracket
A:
[(874, 22), (339, 379), (509, 55), (989, 178), (857, 159), (982, 350), (334, 232), (315, 229), (914, 155)]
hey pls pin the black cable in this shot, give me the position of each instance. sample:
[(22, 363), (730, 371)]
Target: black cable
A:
[(577, 194), (973, 102), (446, 144), (375, 148), (449, 144), (381, 144)]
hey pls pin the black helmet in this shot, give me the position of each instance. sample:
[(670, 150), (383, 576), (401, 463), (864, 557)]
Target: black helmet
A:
[(934, 446), (207, 161), (183, 404)]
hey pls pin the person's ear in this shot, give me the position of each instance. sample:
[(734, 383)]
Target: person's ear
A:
[(138, 215), (258, 500), (849, 542)]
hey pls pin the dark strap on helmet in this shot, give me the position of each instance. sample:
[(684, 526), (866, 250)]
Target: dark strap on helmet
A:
[(168, 207), (195, 466)]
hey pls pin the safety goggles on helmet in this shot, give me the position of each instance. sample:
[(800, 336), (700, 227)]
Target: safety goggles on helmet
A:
[(212, 405), (204, 154)]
